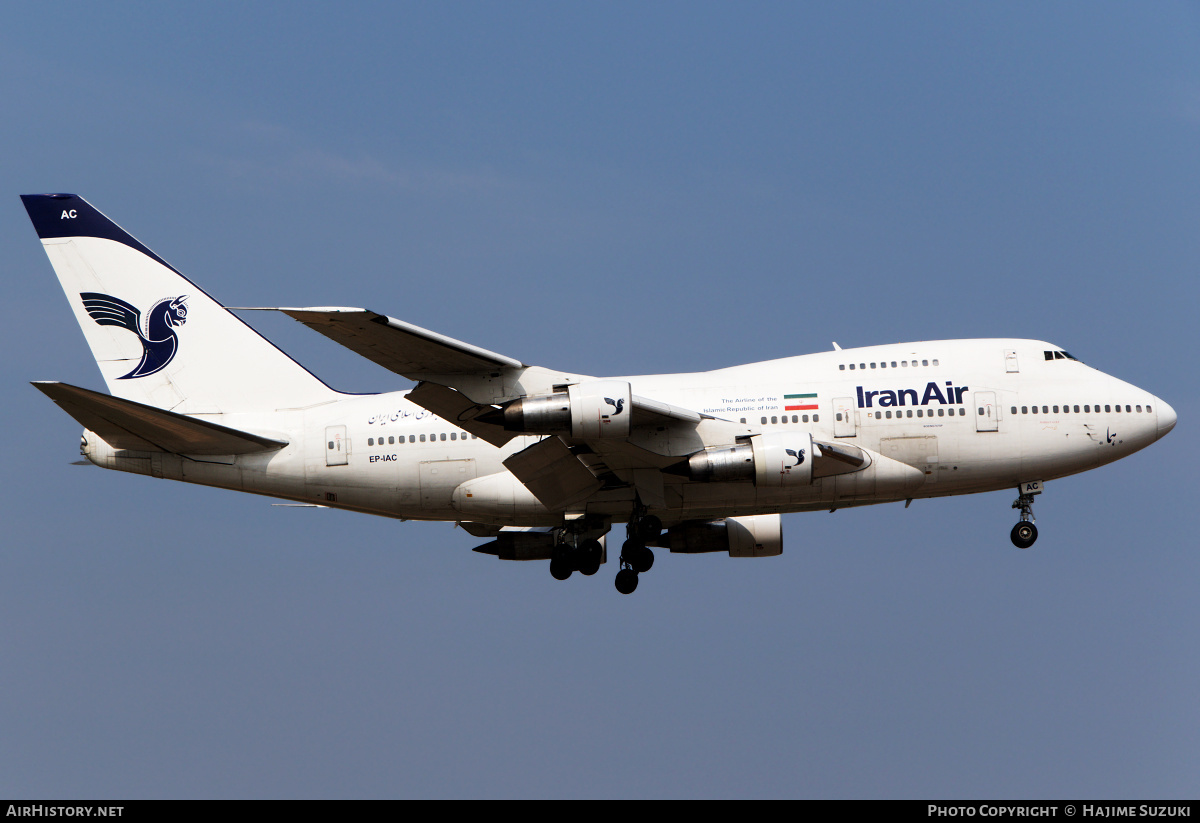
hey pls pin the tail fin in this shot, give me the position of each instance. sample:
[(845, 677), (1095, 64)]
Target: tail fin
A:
[(157, 337)]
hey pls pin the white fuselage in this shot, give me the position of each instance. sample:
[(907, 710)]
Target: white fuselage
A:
[(958, 416)]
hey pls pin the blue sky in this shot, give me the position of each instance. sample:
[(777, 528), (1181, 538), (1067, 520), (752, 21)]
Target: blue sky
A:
[(611, 189)]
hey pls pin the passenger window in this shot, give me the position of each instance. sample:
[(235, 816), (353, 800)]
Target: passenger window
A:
[(909, 413), (872, 365), (904, 363), (924, 362), (862, 365), (1139, 408), (889, 415), (412, 438), (764, 421), (1077, 409), (1126, 408), (774, 419), (453, 435), (816, 418), (837, 417), (920, 412), (1056, 409), (878, 415), (805, 418), (422, 438), (795, 419), (1107, 408), (743, 420), (1117, 408), (1014, 410), (370, 441), (842, 367), (331, 444), (851, 367), (443, 435), (1148, 409), (941, 412), (935, 362), (883, 364)]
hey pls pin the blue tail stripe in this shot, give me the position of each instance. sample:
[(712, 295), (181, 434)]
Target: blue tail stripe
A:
[(69, 215)]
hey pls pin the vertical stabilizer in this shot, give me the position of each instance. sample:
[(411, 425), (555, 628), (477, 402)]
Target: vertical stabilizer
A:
[(156, 336)]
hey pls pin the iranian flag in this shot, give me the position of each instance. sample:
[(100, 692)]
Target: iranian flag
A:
[(799, 402)]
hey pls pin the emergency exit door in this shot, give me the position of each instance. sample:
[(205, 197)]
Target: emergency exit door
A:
[(337, 447), (987, 413)]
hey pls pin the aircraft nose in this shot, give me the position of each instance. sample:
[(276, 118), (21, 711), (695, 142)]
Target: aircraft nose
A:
[(1166, 417)]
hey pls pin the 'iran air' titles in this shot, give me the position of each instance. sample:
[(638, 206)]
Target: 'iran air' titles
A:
[(888, 397)]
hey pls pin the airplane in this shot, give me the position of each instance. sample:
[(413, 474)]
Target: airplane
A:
[(545, 463)]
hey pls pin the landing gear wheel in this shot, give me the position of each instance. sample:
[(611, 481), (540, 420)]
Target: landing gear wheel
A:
[(648, 528), (642, 561), (626, 581), (637, 556), (1023, 534), (588, 555), (561, 566)]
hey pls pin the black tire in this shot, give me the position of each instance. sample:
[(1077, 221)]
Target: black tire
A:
[(561, 567), (626, 581), (1023, 535), (649, 528), (588, 555), (642, 561)]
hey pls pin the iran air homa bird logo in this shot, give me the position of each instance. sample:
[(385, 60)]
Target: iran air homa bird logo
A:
[(158, 339)]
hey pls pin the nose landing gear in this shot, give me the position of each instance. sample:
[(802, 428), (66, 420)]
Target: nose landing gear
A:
[(1025, 532)]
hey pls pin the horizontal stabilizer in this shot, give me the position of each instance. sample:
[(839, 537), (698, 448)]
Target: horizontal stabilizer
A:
[(125, 424), (403, 348)]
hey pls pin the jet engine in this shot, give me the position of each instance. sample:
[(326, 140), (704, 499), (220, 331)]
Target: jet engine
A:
[(594, 410), (755, 536), (780, 459)]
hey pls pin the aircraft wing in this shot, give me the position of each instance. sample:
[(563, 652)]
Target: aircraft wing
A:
[(125, 424), (403, 348)]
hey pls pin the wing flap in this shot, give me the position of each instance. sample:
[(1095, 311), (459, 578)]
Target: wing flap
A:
[(454, 407), (125, 424), (554, 475)]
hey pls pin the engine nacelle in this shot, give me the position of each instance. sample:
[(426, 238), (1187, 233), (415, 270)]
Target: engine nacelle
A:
[(770, 460), (754, 536), (529, 544), (782, 459), (595, 410)]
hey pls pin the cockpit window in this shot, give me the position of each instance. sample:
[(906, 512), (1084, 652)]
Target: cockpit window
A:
[(1060, 355)]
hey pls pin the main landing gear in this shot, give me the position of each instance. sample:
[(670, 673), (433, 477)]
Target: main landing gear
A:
[(1025, 532), (578, 550), (635, 556), (581, 556)]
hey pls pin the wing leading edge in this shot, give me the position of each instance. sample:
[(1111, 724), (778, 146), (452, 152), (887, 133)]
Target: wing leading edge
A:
[(400, 347)]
